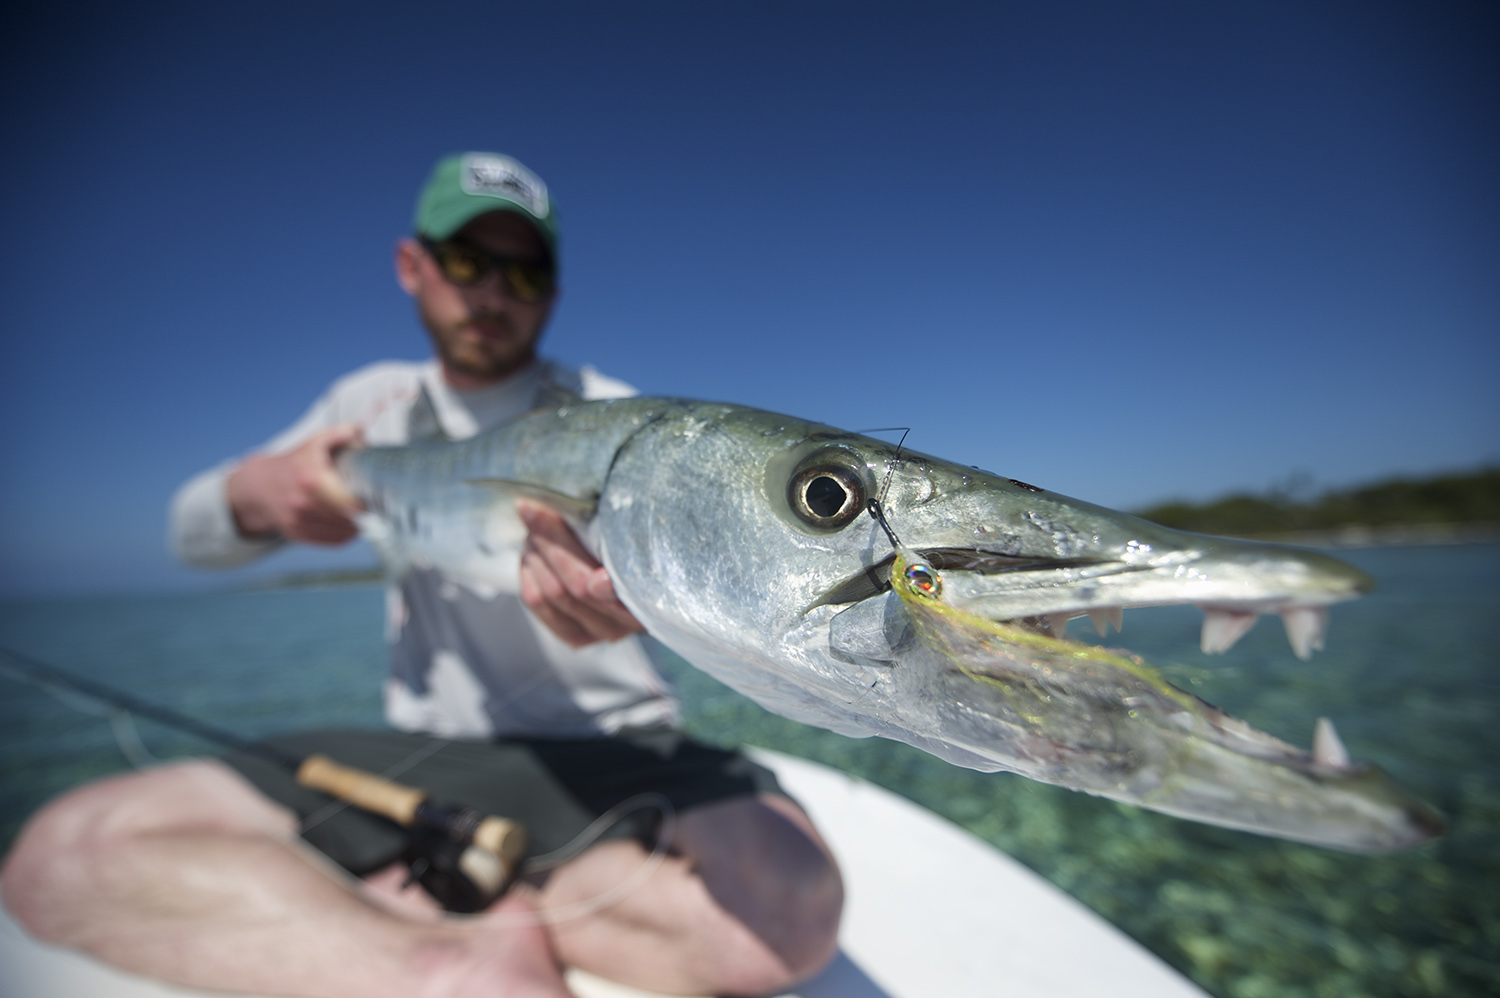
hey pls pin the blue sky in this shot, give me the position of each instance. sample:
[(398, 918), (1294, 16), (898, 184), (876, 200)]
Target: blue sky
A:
[(1127, 252)]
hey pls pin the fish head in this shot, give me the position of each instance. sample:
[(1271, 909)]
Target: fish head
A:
[(784, 507), (776, 555)]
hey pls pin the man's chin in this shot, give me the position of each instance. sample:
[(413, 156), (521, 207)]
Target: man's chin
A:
[(487, 367)]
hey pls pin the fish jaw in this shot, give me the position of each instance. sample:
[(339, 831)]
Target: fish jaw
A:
[(1105, 723), (1012, 552)]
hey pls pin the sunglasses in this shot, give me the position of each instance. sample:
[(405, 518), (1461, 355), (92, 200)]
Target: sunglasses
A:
[(527, 281)]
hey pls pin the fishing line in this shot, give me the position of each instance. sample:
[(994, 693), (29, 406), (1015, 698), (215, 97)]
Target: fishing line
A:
[(876, 506), (128, 740), (121, 723), (890, 468), (661, 846)]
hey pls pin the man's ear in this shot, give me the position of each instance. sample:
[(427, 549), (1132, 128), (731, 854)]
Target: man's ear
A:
[(409, 265)]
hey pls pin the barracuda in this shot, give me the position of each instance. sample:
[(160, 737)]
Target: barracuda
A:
[(741, 540)]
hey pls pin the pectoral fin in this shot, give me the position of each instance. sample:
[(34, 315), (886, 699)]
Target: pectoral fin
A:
[(569, 506), (553, 396)]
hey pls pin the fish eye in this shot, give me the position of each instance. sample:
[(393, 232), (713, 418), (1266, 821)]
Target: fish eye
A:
[(827, 496)]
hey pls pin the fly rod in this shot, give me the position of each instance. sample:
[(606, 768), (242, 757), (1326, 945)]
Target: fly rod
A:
[(465, 859)]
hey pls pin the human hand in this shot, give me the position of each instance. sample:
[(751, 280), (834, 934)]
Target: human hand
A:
[(298, 495), (564, 585)]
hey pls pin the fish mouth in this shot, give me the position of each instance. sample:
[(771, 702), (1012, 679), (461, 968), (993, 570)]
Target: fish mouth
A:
[(876, 579), (1044, 593)]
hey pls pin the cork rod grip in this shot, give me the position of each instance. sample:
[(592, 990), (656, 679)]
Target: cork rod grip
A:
[(505, 839), (362, 789)]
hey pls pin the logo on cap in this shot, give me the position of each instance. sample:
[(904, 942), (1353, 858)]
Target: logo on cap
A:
[(502, 177)]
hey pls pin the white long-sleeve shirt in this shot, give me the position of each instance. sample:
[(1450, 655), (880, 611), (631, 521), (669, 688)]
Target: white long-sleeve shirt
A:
[(462, 664)]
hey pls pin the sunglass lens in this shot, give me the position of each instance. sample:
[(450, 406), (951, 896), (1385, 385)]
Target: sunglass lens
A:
[(461, 266), (528, 284)]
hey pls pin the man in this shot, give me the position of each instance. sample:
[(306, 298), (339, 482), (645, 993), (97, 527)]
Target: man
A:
[(196, 873)]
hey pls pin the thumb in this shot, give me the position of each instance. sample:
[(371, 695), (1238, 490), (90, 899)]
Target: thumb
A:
[(331, 486), (332, 490), (344, 436)]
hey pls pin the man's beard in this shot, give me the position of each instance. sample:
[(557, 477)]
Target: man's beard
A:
[(487, 358)]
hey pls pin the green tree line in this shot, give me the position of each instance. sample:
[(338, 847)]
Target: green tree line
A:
[(1446, 499)]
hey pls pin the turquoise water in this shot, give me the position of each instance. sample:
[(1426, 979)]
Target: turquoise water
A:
[(1411, 676)]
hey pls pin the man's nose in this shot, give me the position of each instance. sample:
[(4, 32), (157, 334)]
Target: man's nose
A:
[(489, 291)]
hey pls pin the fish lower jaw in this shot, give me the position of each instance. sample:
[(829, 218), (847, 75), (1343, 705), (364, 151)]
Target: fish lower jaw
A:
[(1306, 625)]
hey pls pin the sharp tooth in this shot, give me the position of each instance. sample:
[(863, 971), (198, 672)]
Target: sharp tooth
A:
[(1058, 623), (1222, 628), (1328, 750), (1104, 616), (1305, 627)]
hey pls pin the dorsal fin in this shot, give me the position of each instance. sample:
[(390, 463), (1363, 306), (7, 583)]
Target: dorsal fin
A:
[(554, 396), (422, 422)]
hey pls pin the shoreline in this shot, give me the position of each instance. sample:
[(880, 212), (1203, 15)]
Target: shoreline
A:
[(1359, 535)]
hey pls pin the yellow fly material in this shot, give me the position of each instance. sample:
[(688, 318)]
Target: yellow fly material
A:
[(964, 637)]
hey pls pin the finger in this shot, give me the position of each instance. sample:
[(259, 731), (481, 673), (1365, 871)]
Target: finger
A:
[(325, 445), (589, 593), (572, 572), (601, 589), (578, 571), (576, 621), (329, 486), (334, 494), (555, 597), (567, 580), (565, 628), (601, 596), (346, 435), (545, 608), (543, 523), (318, 526), (327, 534)]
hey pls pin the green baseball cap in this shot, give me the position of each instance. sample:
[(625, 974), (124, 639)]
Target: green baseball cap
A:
[(466, 185)]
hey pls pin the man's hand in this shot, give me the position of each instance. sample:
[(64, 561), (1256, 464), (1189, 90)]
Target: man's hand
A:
[(565, 586), (297, 495)]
